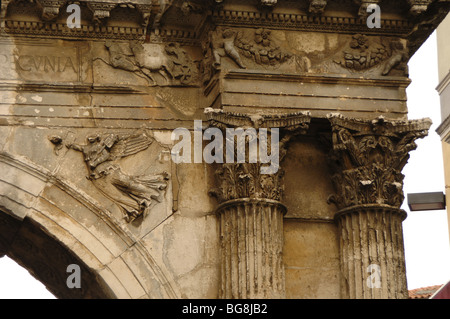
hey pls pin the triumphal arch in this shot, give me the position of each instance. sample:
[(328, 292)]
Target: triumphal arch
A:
[(92, 95)]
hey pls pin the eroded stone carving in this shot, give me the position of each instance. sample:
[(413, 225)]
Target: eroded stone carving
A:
[(57, 141), (135, 195), (101, 11), (368, 157), (269, 3), (50, 8), (249, 205), (173, 64), (245, 180), (364, 53), (398, 59), (317, 6), (262, 49), (418, 6), (255, 48), (184, 69), (224, 44), (363, 5), (148, 64)]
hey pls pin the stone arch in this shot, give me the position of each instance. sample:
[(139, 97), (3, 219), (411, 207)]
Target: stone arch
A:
[(46, 224)]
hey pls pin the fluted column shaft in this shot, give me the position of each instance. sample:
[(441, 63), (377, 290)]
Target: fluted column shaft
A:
[(251, 234), (372, 254)]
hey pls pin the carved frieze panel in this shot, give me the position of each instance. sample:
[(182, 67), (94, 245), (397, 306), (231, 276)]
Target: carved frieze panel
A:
[(367, 159), (386, 54), (157, 64), (306, 52), (255, 49)]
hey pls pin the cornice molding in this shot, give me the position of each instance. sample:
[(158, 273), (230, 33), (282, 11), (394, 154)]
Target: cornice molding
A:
[(184, 20)]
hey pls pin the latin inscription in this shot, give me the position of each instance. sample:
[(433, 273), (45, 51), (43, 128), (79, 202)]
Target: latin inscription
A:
[(40, 63), (37, 63)]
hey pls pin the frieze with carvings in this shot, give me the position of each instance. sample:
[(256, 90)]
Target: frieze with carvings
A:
[(266, 49), (363, 53), (254, 49), (188, 19), (171, 62), (367, 159)]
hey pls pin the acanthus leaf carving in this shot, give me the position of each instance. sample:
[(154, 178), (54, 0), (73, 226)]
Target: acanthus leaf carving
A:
[(367, 158), (246, 180), (134, 194)]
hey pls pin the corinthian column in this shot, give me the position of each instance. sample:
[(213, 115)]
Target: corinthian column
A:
[(250, 209), (367, 159)]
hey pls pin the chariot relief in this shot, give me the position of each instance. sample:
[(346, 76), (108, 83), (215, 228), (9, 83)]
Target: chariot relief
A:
[(171, 62)]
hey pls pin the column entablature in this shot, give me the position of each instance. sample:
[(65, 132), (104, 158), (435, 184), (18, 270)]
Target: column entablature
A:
[(191, 20)]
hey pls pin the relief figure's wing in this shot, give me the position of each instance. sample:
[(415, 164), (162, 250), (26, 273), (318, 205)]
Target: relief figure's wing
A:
[(130, 145)]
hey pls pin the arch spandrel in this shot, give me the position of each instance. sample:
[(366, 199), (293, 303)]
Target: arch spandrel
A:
[(101, 256)]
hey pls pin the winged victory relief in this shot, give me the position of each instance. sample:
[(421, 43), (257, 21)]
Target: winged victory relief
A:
[(135, 195)]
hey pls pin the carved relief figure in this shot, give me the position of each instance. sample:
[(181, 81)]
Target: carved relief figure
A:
[(172, 63), (183, 68), (225, 46), (149, 64), (121, 56), (364, 53), (133, 194), (398, 59)]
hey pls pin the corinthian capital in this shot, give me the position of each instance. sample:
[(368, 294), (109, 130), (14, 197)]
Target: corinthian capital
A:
[(244, 177), (367, 159)]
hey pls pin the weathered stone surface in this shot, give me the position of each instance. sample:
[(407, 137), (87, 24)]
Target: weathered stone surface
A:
[(86, 116)]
